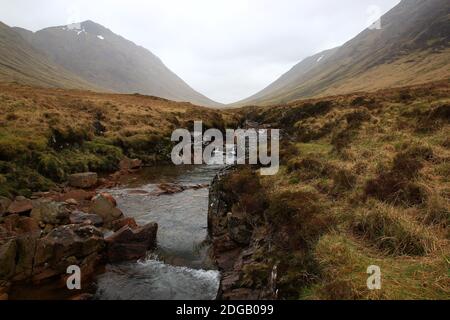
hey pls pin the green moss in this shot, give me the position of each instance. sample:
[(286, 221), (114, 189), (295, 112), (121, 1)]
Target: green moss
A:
[(21, 180)]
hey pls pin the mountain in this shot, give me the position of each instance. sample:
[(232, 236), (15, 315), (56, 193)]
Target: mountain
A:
[(412, 47), (20, 62), (97, 55)]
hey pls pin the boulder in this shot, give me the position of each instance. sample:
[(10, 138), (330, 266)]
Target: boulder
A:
[(4, 205), (8, 259), (50, 212), (119, 224), (4, 233), (26, 250), (14, 225), (20, 205), (67, 245), (128, 244), (4, 290), (27, 225), (130, 164), (79, 217), (105, 206), (85, 180), (170, 188)]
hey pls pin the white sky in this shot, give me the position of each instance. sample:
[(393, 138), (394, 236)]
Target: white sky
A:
[(225, 49)]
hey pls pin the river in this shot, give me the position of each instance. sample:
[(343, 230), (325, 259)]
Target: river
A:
[(180, 268)]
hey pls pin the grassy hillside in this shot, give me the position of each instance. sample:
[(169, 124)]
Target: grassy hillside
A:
[(97, 55), (22, 63), (364, 181), (412, 47), (46, 134)]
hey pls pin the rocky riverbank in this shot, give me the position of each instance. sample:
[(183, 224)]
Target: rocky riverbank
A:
[(235, 245), (41, 236)]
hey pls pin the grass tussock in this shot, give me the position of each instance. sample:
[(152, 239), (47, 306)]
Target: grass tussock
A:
[(390, 231)]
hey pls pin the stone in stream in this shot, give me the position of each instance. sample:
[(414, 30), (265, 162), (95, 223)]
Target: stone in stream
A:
[(170, 188), (105, 206), (128, 221), (131, 244), (85, 180)]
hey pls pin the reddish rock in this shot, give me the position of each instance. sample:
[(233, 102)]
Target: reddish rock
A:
[(105, 206), (26, 249), (4, 205), (4, 290), (67, 245), (8, 253), (119, 224), (84, 180), (77, 195), (10, 223), (50, 212), (78, 217), (110, 198), (130, 164), (128, 244), (20, 206), (4, 233), (170, 188), (28, 225)]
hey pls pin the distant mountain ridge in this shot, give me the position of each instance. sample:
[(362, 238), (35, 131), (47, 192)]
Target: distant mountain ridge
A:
[(411, 48), (108, 62), (21, 62)]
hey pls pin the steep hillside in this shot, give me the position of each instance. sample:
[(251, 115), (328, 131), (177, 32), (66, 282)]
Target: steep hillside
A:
[(20, 62), (99, 56), (412, 47)]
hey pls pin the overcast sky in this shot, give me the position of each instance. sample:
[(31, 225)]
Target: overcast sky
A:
[(225, 49)]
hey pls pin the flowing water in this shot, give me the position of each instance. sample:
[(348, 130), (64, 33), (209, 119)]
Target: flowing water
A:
[(180, 267)]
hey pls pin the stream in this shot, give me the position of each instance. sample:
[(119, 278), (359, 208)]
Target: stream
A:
[(180, 268)]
